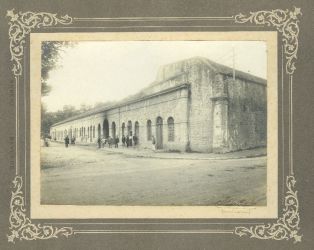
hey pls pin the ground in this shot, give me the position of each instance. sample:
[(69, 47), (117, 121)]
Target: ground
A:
[(85, 175)]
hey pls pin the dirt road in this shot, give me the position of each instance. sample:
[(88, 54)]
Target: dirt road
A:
[(82, 175)]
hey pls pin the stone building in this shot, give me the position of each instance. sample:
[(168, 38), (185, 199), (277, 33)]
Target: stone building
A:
[(193, 105)]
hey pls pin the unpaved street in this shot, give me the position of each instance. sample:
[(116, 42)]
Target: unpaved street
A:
[(84, 175)]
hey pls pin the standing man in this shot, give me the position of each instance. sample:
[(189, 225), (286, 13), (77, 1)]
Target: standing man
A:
[(130, 139), (66, 141), (123, 140), (110, 141), (135, 140), (153, 143), (46, 142), (103, 142), (99, 142), (116, 143)]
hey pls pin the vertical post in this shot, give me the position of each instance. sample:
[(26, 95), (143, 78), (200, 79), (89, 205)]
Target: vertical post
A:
[(233, 64), (119, 123)]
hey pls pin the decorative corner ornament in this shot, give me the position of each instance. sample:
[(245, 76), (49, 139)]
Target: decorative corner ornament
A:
[(21, 226), (286, 22), (286, 227), (21, 24)]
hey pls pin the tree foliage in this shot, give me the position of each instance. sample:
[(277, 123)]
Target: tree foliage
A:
[(50, 118), (50, 55)]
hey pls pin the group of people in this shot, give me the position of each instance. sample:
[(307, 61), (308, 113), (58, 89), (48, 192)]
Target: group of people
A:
[(110, 141), (127, 141), (67, 140)]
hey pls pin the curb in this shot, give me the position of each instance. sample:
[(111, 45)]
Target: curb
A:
[(185, 158)]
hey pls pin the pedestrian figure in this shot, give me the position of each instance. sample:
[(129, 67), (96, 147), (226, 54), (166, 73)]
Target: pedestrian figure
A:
[(103, 142), (46, 142), (130, 139), (116, 145), (73, 140), (99, 142), (109, 141), (153, 143), (135, 140), (66, 141), (123, 140)]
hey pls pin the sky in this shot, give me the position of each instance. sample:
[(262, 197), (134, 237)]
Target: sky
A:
[(99, 71)]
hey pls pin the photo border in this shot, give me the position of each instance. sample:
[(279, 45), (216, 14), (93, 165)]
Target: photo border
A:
[(285, 22), (53, 211)]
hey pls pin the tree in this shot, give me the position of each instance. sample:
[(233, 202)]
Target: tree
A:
[(84, 107), (50, 55), (50, 118)]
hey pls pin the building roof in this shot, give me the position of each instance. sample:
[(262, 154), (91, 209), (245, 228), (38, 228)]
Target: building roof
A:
[(219, 68), (229, 71), (147, 91), (131, 99)]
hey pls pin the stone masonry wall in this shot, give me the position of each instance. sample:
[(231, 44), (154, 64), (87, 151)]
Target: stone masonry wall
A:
[(215, 113), (247, 123), (173, 104), (200, 76)]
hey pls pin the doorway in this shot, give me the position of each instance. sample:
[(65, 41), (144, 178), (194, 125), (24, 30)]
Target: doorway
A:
[(137, 131), (159, 135), (106, 128), (113, 130), (99, 131)]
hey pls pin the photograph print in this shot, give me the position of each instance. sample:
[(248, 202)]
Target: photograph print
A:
[(154, 123)]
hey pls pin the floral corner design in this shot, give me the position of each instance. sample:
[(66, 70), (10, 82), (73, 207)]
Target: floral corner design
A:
[(286, 23), (21, 227), (286, 227), (21, 24)]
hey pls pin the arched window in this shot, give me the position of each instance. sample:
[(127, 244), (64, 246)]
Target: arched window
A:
[(123, 128), (170, 122), (149, 130), (129, 128), (99, 131), (137, 129), (113, 130), (105, 128)]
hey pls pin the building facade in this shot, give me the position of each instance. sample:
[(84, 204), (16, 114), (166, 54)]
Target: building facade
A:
[(194, 105)]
